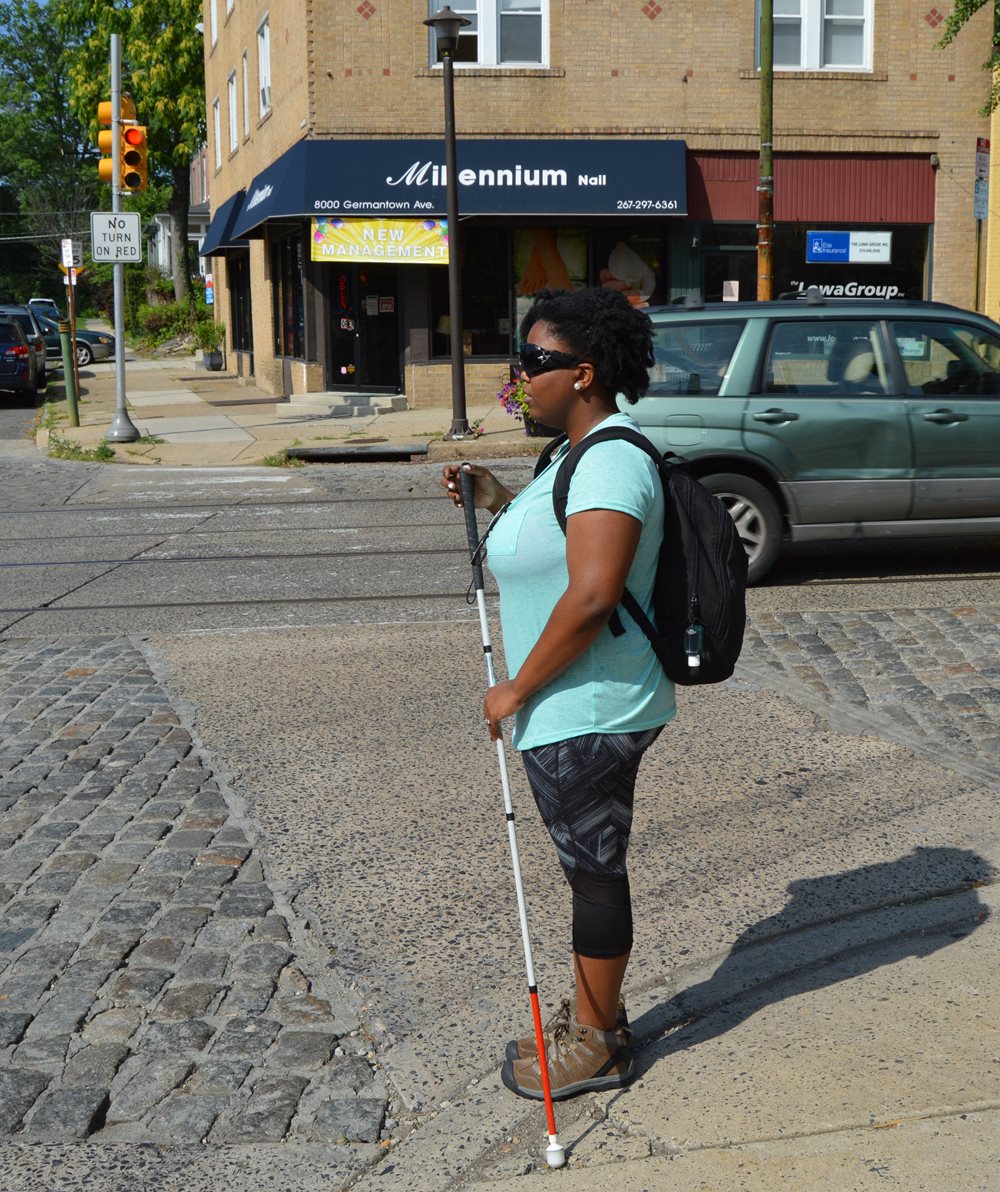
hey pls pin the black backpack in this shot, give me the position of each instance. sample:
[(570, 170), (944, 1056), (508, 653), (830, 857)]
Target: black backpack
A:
[(699, 597)]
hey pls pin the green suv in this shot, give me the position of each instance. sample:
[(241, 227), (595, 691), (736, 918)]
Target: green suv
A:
[(832, 419)]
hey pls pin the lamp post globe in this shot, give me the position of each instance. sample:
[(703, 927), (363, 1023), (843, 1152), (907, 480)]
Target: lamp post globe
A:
[(447, 25)]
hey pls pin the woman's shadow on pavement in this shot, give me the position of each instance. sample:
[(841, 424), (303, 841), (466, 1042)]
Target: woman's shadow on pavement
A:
[(833, 928)]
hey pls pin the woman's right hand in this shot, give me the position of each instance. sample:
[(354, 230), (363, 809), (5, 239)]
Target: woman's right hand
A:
[(489, 492)]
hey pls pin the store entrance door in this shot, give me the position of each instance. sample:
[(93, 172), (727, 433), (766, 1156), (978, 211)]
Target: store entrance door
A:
[(737, 267), (364, 328)]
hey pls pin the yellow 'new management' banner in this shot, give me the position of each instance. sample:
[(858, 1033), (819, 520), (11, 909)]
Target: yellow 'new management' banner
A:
[(400, 241)]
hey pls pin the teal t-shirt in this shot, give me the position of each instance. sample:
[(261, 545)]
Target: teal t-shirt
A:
[(617, 685)]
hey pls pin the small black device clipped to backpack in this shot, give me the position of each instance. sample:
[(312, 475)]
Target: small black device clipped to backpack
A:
[(699, 597)]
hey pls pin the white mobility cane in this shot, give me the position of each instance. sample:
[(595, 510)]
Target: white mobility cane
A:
[(555, 1153)]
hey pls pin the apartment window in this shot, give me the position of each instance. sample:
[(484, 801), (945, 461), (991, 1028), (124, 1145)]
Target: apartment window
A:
[(217, 130), (821, 34), (213, 20), (264, 65), (233, 130), (246, 95), (500, 32)]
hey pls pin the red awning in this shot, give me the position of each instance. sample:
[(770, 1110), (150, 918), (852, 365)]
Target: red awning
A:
[(813, 187)]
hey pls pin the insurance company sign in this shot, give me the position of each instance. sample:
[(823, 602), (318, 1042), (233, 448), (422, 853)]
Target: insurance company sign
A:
[(849, 248)]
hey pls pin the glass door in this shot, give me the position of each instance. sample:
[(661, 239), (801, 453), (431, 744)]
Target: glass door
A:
[(364, 328)]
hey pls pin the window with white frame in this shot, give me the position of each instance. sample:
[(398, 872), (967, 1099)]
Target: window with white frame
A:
[(499, 33), (821, 34), (264, 65), (246, 95), (234, 136), (217, 130), (213, 20)]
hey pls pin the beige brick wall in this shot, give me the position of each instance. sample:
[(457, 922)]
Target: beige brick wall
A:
[(613, 71)]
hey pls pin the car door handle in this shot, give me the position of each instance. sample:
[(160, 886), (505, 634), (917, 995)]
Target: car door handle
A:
[(945, 416), (773, 416)]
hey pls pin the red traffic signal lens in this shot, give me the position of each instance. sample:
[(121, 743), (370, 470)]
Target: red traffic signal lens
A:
[(134, 136)]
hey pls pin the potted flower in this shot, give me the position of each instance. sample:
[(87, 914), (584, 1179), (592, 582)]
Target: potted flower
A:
[(211, 336), (515, 401)]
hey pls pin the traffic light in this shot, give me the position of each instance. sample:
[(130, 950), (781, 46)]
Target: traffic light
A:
[(132, 170), (134, 174)]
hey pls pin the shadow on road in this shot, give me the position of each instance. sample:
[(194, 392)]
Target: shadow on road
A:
[(843, 925)]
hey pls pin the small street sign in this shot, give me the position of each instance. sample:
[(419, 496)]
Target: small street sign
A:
[(981, 185), (115, 237), (72, 254)]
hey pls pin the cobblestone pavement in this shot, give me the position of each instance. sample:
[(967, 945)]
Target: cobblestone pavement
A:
[(926, 678), (154, 986)]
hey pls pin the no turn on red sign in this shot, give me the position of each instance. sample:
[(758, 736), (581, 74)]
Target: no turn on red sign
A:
[(115, 237)]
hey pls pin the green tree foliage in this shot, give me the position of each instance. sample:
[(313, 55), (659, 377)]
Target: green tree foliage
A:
[(47, 172), (961, 14), (163, 71)]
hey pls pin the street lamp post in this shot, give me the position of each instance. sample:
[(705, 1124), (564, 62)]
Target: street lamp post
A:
[(446, 25)]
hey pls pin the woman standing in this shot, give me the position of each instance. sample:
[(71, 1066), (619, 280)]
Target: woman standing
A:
[(586, 704)]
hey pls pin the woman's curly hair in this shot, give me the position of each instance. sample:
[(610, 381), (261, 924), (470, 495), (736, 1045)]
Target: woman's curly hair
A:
[(602, 326)]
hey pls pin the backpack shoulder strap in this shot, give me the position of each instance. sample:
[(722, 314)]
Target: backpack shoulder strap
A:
[(560, 494), (560, 488), (547, 452)]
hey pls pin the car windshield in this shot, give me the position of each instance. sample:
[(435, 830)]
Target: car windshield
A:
[(9, 332)]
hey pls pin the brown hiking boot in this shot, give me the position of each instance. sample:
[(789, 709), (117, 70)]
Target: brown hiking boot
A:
[(581, 1059), (526, 1048)]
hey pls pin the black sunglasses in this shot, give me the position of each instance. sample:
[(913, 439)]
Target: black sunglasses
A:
[(533, 360)]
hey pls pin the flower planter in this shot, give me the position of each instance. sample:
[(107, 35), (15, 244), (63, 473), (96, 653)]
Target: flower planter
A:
[(212, 360)]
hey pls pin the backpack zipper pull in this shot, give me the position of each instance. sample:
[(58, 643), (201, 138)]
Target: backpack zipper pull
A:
[(693, 636)]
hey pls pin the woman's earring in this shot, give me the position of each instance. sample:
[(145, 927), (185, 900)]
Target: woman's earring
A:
[(577, 386)]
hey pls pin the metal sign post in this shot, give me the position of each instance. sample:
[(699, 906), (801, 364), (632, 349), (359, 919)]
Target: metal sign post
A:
[(122, 429)]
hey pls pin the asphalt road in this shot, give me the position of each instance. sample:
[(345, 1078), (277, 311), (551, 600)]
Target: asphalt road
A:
[(314, 622)]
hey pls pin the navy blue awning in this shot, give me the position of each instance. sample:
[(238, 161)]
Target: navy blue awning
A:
[(219, 236), (407, 179)]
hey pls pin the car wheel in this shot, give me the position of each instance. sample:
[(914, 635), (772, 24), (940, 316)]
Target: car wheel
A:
[(43, 380), (83, 354), (757, 518)]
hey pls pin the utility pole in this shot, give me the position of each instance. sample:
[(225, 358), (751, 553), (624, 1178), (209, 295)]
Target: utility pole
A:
[(765, 183), (122, 429)]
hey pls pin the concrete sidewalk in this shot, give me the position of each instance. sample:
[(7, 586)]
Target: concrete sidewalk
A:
[(189, 416)]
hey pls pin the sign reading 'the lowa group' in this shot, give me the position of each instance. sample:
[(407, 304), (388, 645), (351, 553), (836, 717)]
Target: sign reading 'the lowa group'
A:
[(408, 179)]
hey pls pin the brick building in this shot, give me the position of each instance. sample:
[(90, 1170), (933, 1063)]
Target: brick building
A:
[(614, 137)]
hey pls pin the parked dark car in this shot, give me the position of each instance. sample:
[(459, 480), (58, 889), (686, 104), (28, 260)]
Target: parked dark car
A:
[(32, 329), (90, 345), (18, 363), (832, 419)]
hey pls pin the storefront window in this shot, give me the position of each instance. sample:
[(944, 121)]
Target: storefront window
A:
[(289, 305), (633, 260), (901, 277), (486, 294), (502, 271)]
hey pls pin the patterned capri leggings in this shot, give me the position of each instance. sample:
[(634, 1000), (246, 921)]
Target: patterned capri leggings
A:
[(584, 788)]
